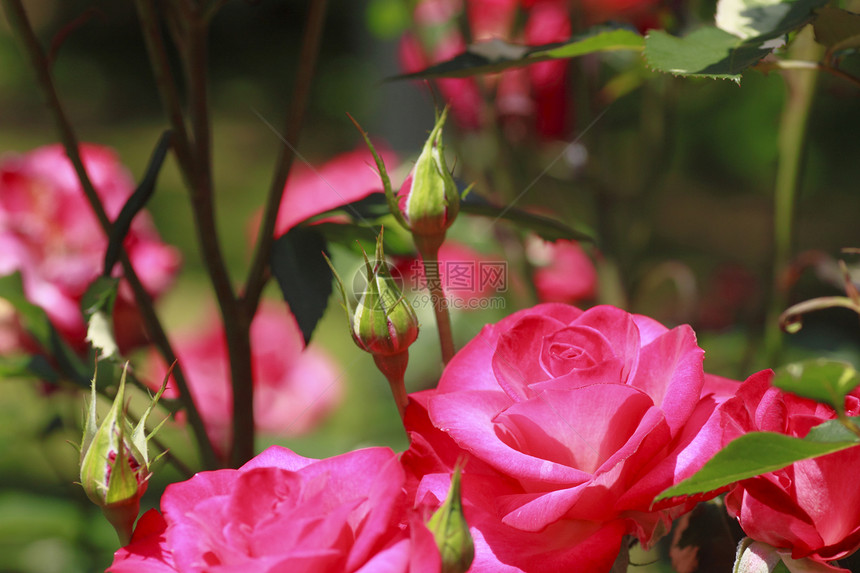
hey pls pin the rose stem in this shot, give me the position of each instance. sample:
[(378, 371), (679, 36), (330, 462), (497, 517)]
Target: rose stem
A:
[(27, 38), (428, 248)]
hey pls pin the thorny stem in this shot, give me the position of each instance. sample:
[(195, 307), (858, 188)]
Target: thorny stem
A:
[(257, 275), (800, 86), (24, 32)]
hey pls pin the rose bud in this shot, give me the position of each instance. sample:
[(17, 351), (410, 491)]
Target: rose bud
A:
[(383, 322), (115, 463), (451, 531), (430, 200)]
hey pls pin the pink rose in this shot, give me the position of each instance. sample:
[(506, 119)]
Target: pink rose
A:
[(294, 387), (812, 507), (573, 422), (49, 234), (284, 512)]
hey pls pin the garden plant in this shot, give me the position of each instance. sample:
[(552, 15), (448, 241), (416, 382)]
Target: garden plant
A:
[(581, 298)]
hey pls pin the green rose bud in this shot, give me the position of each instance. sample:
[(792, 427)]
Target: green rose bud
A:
[(383, 322), (451, 531), (114, 461), (432, 200)]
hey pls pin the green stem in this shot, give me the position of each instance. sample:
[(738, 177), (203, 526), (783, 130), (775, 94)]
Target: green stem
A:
[(428, 248), (24, 32), (236, 323), (394, 369), (257, 275), (800, 85)]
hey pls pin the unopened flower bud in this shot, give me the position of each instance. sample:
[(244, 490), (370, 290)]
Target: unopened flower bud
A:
[(451, 531), (432, 200), (383, 323), (115, 463)]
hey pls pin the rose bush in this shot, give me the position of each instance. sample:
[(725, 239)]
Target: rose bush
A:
[(50, 235), (572, 422), (811, 508), (284, 512), (294, 387)]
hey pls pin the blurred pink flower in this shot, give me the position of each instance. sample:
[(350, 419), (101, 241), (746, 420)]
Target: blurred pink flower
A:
[(284, 512), (461, 274), (534, 99), (294, 387), (643, 14), (564, 272), (49, 234), (347, 178)]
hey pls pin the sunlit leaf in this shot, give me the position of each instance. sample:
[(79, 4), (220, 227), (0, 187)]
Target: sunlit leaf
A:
[(708, 52), (758, 453), (822, 380), (97, 305), (762, 20)]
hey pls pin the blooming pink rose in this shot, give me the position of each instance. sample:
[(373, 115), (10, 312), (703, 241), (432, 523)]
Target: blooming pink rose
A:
[(294, 387), (812, 507), (573, 422), (50, 235), (284, 512), (563, 273)]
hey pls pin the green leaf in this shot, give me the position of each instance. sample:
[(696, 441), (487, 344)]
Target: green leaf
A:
[(497, 55), (35, 321), (27, 366), (304, 276), (97, 305), (598, 40), (135, 203), (761, 20), (758, 453), (100, 295), (708, 52), (545, 227), (837, 29), (822, 380)]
